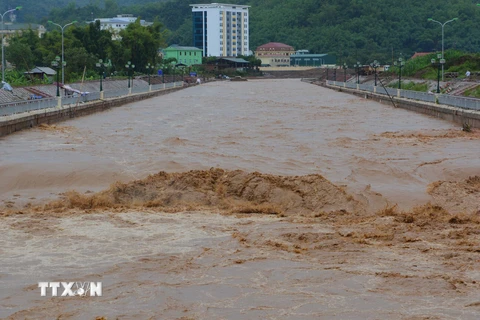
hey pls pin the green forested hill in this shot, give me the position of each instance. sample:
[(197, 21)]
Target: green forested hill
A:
[(351, 29), (357, 29)]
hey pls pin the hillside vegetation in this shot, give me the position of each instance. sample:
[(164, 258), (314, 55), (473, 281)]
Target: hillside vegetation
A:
[(352, 30)]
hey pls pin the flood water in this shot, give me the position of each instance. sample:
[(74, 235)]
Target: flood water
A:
[(205, 265), (283, 127)]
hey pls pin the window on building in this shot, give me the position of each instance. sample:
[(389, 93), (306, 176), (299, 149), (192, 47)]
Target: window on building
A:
[(180, 52)]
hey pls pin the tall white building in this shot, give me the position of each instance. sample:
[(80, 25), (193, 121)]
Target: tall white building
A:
[(220, 29)]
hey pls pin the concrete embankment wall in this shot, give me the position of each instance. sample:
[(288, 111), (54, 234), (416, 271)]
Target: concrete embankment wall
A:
[(454, 114), (17, 122)]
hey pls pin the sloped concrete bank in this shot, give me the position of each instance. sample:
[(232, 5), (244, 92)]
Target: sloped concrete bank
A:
[(17, 122), (449, 113)]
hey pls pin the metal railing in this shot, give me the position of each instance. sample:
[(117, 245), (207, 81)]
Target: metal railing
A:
[(445, 99), (25, 106), (45, 103)]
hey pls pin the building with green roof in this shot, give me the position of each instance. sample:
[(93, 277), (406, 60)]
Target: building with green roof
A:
[(184, 55)]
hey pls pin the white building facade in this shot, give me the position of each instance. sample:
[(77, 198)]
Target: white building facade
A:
[(120, 22), (221, 30)]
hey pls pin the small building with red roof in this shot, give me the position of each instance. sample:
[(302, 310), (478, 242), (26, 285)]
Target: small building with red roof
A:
[(275, 54), (420, 54)]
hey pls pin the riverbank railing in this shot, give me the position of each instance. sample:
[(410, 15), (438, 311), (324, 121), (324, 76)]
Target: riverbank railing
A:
[(438, 98), (21, 106)]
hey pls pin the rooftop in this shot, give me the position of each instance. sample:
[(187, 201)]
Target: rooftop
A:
[(176, 47), (219, 5), (22, 26), (275, 46), (420, 54), (308, 55)]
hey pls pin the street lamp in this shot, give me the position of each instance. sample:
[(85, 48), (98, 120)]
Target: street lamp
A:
[(443, 25), (63, 57), (357, 70), (375, 65), (400, 64), (129, 67), (441, 62), (3, 50), (101, 66), (344, 72), (149, 68), (56, 65)]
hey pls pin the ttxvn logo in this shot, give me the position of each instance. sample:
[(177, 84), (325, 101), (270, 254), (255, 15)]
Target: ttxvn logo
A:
[(71, 289)]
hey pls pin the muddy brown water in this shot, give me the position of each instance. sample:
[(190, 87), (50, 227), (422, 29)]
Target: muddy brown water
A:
[(193, 266), (283, 127)]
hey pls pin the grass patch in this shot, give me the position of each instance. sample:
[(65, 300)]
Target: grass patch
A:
[(473, 92), (414, 86)]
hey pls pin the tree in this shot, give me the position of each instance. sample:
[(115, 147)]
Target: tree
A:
[(96, 41), (20, 55), (141, 44), (79, 60)]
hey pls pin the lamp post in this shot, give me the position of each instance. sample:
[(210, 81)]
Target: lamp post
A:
[(101, 66), (149, 67), (443, 25), (400, 64), (56, 65), (441, 62), (3, 50), (357, 70), (327, 73), (130, 68), (344, 72), (375, 65), (63, 57)]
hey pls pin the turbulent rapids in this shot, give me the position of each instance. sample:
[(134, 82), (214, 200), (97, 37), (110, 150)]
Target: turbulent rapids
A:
[(224, 190)]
